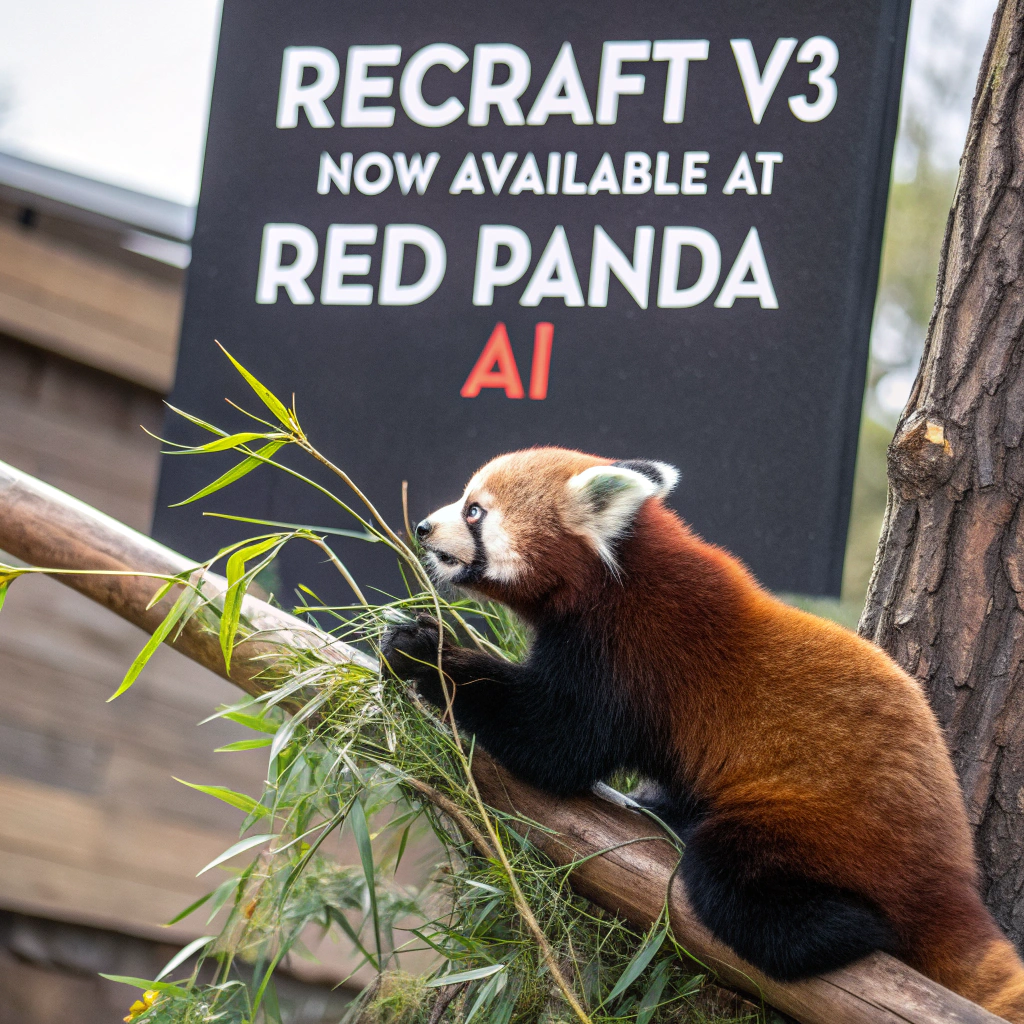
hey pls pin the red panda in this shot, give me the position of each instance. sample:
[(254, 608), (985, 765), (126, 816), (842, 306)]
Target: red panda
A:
[(802, 768)]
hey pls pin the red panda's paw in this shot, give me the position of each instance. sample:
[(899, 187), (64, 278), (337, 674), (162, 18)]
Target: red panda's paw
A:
[(410, 651)]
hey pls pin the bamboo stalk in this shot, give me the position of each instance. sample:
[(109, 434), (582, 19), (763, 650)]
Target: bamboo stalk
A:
[(45, 527)]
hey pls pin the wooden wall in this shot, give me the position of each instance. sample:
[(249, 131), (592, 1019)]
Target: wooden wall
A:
[(75, 290)]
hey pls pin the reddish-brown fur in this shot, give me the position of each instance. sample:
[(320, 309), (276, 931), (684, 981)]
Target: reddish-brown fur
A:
[(795, 728)]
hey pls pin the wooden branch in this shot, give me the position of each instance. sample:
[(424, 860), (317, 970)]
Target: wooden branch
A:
[(46, 527)]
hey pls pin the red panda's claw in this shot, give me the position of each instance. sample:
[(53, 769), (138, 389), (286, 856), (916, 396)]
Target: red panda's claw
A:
[(410, 651)]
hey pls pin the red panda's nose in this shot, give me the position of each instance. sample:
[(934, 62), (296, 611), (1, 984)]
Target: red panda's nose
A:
[(423, 529)]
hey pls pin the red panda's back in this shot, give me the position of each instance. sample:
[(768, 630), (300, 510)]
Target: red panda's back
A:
[(792, 721)]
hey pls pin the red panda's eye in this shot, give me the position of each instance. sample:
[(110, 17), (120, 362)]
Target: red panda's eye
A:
[(474, 514)]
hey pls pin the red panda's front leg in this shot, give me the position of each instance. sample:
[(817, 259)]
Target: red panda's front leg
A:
[(410, 652), (511, 709)]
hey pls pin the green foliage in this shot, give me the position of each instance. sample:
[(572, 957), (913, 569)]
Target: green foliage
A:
[(915, 225)]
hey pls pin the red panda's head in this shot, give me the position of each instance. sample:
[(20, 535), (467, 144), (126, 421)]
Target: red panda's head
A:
[(533, 521)]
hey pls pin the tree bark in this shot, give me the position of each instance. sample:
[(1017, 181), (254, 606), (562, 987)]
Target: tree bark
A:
[(946, 598), (625, 863)]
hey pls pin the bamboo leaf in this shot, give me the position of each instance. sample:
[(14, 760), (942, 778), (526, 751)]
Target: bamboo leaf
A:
[(487, 995), (343, 923), (253, 722), (222, 892), (160, 986), (691, 985), (161, 593), (503, 1012), (5, 585), (235, 473), (362, 837), (310, 853), (266, 978), (652, 997), (427, 940), (183, 954), (223, 444), (639, 963), (284, 735), (269, 399), (229, 796), (401, 847), (160, 634), (235, 594), (461, 976), (233, 851), (333, 530), (493, 890), (196, 420), (191, 908), (244, 745), (271, 1008)]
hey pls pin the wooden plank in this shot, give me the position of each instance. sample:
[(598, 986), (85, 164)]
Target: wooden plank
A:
[(84, 784), (86, 861), (104, 900), (151, 725), (111, 467), (95, 830), (69, 829), (77, 305), (80, 429)]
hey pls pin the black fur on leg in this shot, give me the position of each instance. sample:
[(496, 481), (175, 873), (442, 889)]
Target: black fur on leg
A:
[(406, 646), (556, 721), (680, 814), (788, 926), (409, 651)]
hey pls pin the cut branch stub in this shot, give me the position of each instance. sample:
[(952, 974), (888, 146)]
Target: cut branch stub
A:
[(920, 457)]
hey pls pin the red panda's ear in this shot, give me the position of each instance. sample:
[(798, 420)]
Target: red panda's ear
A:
[(604, 500), (664, 476)]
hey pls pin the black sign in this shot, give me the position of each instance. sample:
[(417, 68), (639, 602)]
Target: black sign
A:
[(454, 230)]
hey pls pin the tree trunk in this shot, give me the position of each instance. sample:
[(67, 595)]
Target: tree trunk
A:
[(946, 598)]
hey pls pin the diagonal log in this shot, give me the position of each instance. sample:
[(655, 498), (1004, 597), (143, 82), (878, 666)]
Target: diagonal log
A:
[(43, 526)]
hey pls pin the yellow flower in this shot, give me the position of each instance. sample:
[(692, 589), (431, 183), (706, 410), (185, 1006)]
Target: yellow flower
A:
[(140, 1006)]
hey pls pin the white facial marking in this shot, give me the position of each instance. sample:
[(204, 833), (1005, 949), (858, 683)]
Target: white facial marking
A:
[(451, 537), (447, 515), (504, 563), (449, 544)]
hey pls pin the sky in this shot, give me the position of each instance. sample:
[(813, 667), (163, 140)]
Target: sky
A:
[(119, 89), (113, 89), (944, 50)]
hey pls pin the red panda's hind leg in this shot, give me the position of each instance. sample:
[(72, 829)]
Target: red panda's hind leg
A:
[(788, 926), (680, 814)]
